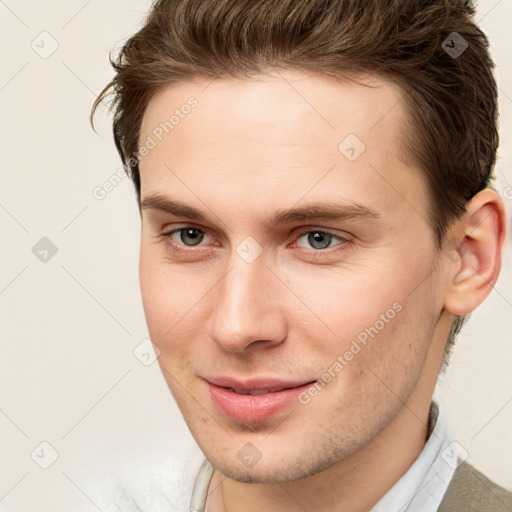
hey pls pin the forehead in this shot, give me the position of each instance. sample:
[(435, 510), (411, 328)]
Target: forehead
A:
[(281, 98), (285, 130)]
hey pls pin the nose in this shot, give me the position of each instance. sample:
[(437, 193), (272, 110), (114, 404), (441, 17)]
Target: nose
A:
[(249, 307)]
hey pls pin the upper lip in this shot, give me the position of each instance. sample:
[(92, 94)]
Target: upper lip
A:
[(268, 383)]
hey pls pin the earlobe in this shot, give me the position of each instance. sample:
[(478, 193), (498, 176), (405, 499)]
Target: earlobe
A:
[(478, 247)]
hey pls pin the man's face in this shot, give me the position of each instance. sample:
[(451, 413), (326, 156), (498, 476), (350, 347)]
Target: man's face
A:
[(277, 305)]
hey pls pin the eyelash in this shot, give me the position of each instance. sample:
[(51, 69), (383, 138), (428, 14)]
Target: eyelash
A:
[(344, 242)]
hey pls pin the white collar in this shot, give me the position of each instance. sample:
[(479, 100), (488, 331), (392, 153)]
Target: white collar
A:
[(422, 487)]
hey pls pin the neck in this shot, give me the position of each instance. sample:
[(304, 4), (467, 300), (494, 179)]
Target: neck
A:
[(358, 482)]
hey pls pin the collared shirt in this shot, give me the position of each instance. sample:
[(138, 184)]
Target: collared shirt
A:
[(420, 489)]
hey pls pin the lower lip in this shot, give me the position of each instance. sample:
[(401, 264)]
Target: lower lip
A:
[(253, 408)]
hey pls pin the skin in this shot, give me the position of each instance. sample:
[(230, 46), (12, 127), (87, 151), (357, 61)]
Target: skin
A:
[(251, 148)]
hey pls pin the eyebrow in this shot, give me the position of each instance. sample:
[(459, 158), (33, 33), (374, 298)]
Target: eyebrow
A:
[(324, 210)]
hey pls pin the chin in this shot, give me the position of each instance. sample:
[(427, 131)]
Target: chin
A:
[(276, 468)]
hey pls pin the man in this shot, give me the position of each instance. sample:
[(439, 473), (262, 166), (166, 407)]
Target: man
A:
[(317, 219)]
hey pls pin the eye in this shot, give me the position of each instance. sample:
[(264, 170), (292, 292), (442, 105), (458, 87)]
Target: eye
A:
[(188, 236), (320, 240)]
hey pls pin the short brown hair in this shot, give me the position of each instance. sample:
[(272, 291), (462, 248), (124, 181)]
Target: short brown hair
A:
[(451, 99)]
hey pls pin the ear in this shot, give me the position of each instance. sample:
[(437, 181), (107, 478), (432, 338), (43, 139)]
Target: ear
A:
[(476, 249)]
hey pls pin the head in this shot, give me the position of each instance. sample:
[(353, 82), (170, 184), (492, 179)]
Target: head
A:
[(314, 185)]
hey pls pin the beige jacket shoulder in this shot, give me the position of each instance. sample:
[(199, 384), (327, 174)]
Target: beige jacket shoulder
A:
[(471, 491)]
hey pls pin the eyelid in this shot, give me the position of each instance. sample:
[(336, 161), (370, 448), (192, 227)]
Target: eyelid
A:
[(313, 229)]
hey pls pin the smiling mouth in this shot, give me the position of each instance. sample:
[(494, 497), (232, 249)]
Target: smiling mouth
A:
[(254, 404), (261, 391)]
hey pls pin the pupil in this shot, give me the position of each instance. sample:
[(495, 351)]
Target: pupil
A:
[(190, 234), (317, 237)]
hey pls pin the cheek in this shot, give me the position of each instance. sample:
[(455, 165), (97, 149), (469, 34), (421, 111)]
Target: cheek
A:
[(375, 323), (379, 375), (174, 303), (348, 305), (396, 355), (162, 295), (154, 295)]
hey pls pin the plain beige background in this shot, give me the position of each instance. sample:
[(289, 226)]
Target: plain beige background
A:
[(71, 321)]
